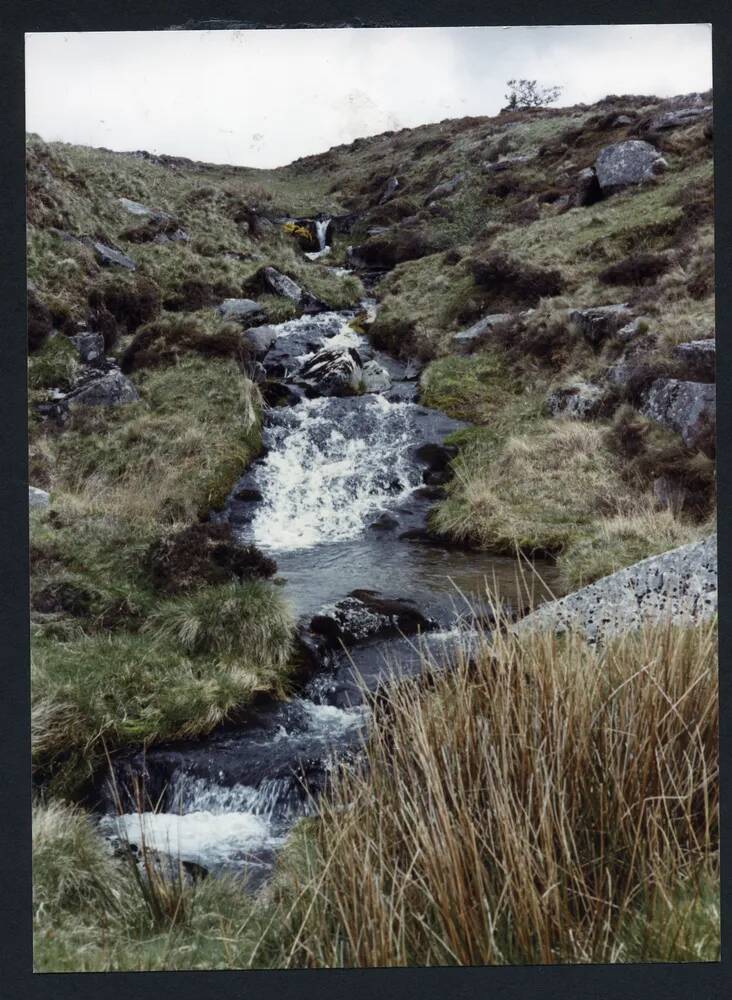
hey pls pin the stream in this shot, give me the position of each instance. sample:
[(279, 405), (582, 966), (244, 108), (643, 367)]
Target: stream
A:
[(339, 499)]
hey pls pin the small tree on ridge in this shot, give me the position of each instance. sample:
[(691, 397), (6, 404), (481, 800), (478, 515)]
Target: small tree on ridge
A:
[(528, 94)]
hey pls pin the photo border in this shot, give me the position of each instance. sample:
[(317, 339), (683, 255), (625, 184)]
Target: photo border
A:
[(665, 981)]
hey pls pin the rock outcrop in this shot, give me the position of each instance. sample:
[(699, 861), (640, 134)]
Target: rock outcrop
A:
[(89, 345), (109, 257), (110, 388), (626, 163), (579, 401), (689, 408), (678, 586), (599, 322), (699, 359)]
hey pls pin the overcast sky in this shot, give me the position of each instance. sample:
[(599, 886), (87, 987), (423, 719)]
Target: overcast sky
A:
[(263, 98)]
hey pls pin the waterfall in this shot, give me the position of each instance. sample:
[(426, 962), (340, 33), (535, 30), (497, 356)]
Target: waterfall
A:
[(321, 229)]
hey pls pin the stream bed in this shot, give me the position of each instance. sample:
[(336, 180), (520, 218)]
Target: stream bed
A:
[(339, 500)]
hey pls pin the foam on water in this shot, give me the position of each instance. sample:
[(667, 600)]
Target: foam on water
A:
[(331, 467), (217, 837)]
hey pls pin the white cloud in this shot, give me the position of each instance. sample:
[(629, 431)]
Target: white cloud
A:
[(263, 98)]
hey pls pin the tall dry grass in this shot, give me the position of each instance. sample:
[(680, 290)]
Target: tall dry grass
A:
[(543, 802)]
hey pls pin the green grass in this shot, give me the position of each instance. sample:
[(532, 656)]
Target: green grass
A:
[(197, 660)]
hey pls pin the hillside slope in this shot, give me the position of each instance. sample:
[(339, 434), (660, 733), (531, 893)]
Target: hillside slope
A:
[(593, 436)]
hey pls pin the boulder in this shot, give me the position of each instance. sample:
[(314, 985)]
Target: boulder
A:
[(110, 388), (464, 341), (678, 586), (599, 322), (37, 499), (689, 408), (109, 257), (89, 345), (367, 614), (631, 331), (625, 163), (699, 359), (244, 311), (334, 372), (588, 189), (375, 378), (435, 457), (578, 401), (622, 120), (260, 339), (134, 207), (177, 235), (389, 190), (281, 284), (445, 188)]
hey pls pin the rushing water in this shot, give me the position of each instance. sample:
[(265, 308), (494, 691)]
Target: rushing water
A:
[(333, 467)]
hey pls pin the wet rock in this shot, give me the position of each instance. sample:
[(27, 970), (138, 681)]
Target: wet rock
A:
[(37, 499), (384, 522), (699, 359), (689, 408), (110, 388), (109, 257), (260, 339), (375, 378), (578, 401), (678, 586), (244, 311), (588, 190), (402, 392), (366, 614), (89, 345), (627, 163), (413, 368), (599, 322), (435, 458), (390, 189), (276, 393), (248, 495), (334, 372), (445, 189)]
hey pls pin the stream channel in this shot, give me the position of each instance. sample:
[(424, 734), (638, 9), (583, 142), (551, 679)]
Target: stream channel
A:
[(340, 482)]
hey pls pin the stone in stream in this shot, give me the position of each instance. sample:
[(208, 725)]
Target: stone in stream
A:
[(260, 339), (375, 378), (334, 372), (366, 614)]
